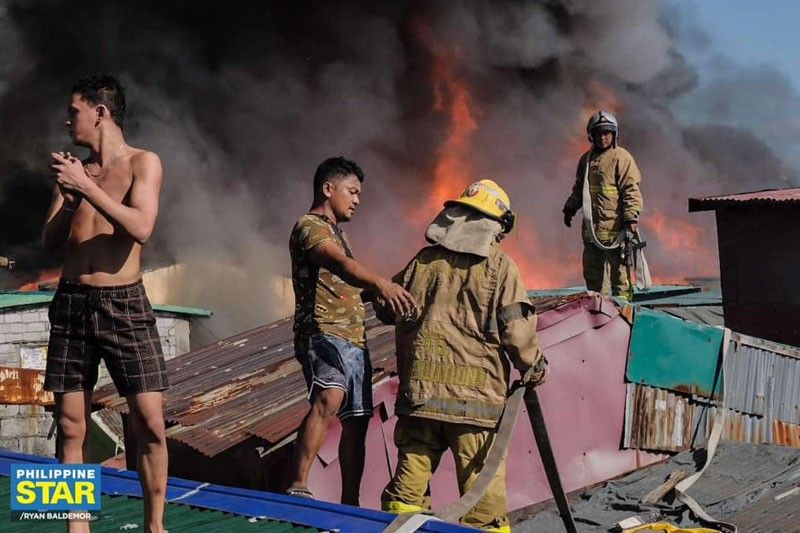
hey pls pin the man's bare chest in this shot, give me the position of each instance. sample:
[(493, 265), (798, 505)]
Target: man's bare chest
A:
[(116, 183)]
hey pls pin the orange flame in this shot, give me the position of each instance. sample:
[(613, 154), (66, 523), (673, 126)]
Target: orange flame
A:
[(683, 242), (452, 172), (50, 275)]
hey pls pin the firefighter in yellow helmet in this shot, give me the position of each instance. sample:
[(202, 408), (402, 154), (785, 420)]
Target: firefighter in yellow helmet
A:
[(607, 189), (473, 321)]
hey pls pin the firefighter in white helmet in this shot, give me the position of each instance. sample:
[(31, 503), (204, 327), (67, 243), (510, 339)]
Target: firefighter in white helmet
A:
[(607, 189), (474, 320)]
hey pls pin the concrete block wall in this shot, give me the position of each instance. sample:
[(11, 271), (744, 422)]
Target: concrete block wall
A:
[(19, 327), (24, 428)]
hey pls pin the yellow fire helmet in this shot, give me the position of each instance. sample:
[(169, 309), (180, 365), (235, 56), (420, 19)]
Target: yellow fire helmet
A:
[(490, 199)]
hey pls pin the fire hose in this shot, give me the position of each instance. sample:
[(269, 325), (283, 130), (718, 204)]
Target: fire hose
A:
[(630, 243), (410, 522)]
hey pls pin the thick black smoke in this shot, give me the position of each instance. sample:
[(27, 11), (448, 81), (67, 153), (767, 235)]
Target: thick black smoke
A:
[(243, 99)]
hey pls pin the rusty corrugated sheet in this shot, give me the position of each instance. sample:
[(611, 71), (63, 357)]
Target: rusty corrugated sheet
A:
[(767, 196), (244, 386), (23, 386), (659, 419), (785, 433)]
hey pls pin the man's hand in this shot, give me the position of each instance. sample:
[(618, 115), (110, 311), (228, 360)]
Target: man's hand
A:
[(537, 374), (634, 227), (402, 303), (568, 220), (70, 175)]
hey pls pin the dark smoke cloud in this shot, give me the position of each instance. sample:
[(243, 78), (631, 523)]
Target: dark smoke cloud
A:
[(243, 99)]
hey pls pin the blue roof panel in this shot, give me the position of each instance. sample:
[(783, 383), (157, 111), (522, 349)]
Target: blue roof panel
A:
[(245, 502)]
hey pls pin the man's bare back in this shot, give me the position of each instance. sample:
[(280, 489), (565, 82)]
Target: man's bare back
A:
[(98, 252)]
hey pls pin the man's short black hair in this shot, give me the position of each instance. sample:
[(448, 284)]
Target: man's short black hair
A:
[(103, 90), (333, 169)]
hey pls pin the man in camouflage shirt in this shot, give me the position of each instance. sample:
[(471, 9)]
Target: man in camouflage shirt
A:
[(330, 342)]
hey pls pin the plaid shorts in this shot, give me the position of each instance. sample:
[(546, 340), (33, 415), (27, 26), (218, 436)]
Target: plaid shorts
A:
[(115, 324), (329, 362)]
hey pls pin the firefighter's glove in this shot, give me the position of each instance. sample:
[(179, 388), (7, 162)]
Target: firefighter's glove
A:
[(537, 374), (568, 220)]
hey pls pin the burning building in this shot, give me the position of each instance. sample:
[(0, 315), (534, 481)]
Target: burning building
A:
[(426, 96)]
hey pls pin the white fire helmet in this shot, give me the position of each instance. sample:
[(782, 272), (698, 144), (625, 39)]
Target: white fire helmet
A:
[(605, 120)]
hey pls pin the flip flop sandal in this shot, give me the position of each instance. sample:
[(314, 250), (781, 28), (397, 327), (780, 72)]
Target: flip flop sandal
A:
[(300, 492)]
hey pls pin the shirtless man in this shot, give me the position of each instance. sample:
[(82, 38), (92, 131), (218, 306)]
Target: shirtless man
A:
[(104, 209)]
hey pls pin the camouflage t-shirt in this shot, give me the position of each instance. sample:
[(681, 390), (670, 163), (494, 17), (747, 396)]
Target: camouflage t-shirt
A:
[(324, 302)]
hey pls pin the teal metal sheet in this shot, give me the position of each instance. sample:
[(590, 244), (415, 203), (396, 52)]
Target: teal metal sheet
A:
[(674, 354), (9, 299), (654, 292), (181, 310), (696, 299)]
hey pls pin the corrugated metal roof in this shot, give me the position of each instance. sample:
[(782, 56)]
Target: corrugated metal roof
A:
[(112, 422), (766, 196), (248, 387), (244, 386), (13, 299), (657, 419)]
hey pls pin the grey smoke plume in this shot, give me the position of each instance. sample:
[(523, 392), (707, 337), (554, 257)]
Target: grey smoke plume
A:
[(242, 101)]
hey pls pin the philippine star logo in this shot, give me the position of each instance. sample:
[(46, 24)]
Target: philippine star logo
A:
[(54, 491)]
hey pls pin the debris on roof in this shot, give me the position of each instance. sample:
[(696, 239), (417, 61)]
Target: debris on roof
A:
[(752, 486)]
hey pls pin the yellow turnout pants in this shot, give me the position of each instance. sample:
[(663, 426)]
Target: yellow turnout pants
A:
[(420, 444), (604, 271)]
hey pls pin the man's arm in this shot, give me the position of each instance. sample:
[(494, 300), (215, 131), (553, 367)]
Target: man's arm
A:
[(516, 319), (575, 200), (139, 218), (332, 257), (59, 217), (383, 309), (628, 179)]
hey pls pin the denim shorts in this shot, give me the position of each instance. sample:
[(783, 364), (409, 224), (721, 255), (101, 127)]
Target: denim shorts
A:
[(329, 362)]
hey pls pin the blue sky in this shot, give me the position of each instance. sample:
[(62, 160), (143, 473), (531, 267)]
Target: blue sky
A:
[(753, 32)]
